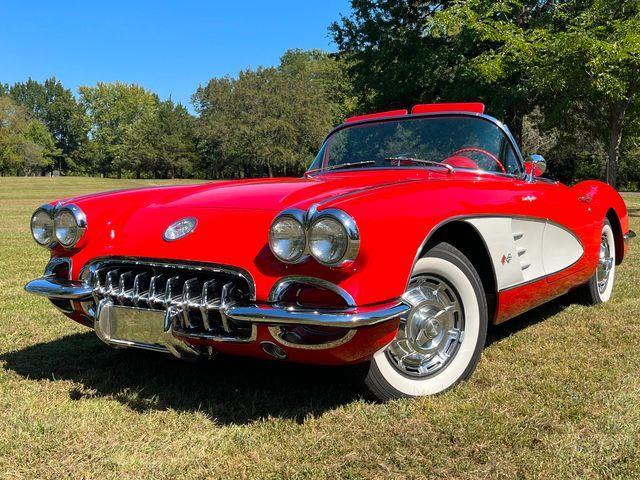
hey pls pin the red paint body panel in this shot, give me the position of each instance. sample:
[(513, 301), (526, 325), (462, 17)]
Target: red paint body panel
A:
[(396, 211)]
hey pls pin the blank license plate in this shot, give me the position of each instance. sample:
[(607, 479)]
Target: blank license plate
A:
[(136, 325)]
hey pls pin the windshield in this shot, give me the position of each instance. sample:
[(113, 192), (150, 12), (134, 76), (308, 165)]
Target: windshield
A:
[(455, 141)]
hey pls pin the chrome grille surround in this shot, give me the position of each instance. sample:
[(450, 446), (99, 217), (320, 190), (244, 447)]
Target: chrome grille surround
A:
[(194, 296)]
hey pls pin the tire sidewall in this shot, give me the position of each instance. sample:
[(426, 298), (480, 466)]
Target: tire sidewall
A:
[(449, 265), (606, 295)]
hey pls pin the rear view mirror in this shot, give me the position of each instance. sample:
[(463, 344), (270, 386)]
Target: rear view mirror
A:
[(535, 166)]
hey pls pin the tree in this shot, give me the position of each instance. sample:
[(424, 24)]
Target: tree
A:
[(57, 108), (406, 52), (598, 69), (115, 109), (268, 121), (26, 146), (162, 142)]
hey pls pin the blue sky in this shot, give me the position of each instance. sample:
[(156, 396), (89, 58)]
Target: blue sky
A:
[(168, 47)]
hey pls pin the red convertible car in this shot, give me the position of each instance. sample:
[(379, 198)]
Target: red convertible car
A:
[(407, 236)]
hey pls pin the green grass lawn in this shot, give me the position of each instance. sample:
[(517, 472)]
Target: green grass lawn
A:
[(557, 394)]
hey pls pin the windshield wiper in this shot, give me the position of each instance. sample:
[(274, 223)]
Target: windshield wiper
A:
[(341, 165), (401, 158)]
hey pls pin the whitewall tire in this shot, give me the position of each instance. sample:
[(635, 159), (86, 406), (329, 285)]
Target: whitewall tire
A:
[(599, 288), (440, 341)]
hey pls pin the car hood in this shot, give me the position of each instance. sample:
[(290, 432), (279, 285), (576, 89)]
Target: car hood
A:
[(281, 193)]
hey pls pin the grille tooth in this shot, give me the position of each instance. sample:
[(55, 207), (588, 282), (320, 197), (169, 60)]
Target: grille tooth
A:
[(173, 291), (124, 293), (188, 297), (112, 282), (157, 286), (225, 299), (209, 300), (140, 287), (195, 295)]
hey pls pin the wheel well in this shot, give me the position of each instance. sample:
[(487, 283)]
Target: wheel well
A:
[(466, 238), (612, 216)]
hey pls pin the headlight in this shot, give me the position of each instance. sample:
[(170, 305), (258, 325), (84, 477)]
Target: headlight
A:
[(287, 237), (70, 224), (333, 238), (42, 226)]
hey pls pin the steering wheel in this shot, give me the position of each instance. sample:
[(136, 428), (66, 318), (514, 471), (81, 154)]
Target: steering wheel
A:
[(481, 151)]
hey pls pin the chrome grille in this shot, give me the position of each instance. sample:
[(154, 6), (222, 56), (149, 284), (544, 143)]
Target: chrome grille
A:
[(195, 296)]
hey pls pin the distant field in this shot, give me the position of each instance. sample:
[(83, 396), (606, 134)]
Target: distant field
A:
[(556, 395)]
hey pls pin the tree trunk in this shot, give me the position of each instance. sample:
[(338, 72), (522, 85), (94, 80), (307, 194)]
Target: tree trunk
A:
[(269, 169), (615, 136), (616, 123)]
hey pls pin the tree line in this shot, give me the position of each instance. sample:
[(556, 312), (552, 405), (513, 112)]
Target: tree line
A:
[(564, 75)]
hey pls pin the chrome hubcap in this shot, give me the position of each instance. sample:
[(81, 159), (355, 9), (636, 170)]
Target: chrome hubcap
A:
[(605, 263), (429, 337)]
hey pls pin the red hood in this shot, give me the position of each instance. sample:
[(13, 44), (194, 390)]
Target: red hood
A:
[(272, 194), (278, 194)]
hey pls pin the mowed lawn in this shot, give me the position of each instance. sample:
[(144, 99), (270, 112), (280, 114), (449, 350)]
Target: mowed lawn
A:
[(556, 395)]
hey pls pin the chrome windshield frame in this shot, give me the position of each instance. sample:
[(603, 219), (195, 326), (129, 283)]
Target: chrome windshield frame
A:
[(501, 126)]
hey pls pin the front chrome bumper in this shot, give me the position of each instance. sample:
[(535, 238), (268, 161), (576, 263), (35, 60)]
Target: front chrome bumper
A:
[(56, 288)]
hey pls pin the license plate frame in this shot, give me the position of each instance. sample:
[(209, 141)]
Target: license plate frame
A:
[(125, 326)]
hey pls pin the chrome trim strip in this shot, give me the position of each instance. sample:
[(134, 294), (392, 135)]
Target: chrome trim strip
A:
[(282, 285), (59, 288), (467, 217), (299, 216), (50, 211), (80, 219), (354, 317), (275, 332), (349, 225)]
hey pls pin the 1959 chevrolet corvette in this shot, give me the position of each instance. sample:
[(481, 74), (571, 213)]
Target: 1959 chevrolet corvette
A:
[(407, 236)]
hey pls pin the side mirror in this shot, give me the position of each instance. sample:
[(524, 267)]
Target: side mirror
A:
[(535, 166)]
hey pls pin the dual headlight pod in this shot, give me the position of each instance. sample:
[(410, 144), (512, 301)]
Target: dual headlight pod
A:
[(330, 236), (64, 226)]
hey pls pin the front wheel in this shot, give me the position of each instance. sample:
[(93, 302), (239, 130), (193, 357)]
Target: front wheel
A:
[(440, 341)]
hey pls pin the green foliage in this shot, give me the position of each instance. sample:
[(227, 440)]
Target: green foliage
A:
[(57, 108), (26, 146), (561, 58), (270, 121)]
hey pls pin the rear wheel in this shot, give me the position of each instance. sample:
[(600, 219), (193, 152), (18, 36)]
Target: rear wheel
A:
[(440, 341), (599, 287)]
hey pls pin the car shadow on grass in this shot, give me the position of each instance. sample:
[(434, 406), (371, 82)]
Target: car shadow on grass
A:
[(228, 390)]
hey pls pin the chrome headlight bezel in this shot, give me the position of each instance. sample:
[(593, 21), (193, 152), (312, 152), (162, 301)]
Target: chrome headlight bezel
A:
[(48, 211), (308, 220), (299, 217), (80, 220), (350, 230)]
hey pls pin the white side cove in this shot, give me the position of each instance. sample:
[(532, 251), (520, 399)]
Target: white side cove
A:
[(525, 249)]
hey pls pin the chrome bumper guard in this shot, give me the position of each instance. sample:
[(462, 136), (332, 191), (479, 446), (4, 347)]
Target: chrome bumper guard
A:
[(268, 314), (350, 317)]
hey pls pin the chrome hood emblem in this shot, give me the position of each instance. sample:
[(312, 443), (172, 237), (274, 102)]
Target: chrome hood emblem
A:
[(179, 229)]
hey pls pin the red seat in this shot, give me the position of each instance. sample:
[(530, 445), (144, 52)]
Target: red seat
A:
[(461, 162)]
